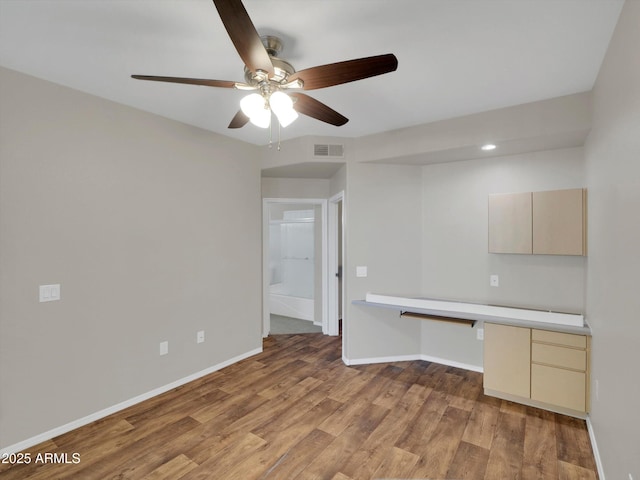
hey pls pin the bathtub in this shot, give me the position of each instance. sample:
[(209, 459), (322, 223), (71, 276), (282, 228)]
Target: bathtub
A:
[(288, 306)]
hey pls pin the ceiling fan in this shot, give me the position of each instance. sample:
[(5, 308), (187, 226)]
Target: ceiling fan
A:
[(271, 76)]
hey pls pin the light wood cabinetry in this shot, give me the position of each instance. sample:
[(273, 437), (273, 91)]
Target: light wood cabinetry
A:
[(541, 223), (555, 374), (559, 369), (510, 223), (559, 219), (507, 359)]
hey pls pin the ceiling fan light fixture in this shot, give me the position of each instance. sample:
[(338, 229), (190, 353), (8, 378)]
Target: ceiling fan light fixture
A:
[(255, 107), (282, 106)]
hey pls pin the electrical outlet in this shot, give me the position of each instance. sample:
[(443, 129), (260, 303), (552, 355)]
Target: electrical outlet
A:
[(494, 281), (480, 334), (200, 336), (164, 348)]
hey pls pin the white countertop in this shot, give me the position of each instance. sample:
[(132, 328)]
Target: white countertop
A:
[(542, 319)]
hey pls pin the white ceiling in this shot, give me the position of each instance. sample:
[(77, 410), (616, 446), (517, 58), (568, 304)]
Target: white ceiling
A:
[(456, 57)]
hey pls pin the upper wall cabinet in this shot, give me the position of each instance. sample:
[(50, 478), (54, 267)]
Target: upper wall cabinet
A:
[(510, 223), (559, 222), (543, 223)]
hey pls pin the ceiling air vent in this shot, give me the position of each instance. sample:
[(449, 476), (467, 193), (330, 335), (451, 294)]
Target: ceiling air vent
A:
[(328, 151)]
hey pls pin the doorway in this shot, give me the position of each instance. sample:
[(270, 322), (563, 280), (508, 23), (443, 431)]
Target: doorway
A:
[(294, 265)]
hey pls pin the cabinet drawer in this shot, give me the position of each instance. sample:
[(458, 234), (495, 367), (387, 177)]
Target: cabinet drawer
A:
[(559, 356), (568, 339), (560, 387)]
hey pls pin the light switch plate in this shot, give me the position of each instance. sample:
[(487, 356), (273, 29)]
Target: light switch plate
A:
[(361, 271), (494, 281), (164, 348), (49, 293), (200, 336)]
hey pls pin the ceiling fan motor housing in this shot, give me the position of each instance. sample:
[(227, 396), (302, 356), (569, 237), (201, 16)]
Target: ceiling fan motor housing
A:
[(282, 68)]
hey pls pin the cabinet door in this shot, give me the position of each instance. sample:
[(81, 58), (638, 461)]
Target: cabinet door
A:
[(507, 355), (558, 222), (510, 223)]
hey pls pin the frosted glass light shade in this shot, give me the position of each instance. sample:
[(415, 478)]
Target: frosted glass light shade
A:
[(252, 104), (282, 106), (254, 107)]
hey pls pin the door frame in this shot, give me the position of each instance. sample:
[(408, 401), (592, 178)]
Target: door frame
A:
[(334, 240), (266, 203)]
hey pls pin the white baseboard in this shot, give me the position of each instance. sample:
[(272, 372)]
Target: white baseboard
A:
[(410, 358), (30, 442), (365, 361), (452, 363), (594, 447)]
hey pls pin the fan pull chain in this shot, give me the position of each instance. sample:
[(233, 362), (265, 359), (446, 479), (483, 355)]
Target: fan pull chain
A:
[(271, 134), (278, 135)]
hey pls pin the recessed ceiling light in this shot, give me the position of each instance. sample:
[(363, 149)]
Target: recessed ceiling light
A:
[(488, 146)]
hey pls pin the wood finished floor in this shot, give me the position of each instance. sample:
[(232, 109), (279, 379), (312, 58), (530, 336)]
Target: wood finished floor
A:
[(296, 411)]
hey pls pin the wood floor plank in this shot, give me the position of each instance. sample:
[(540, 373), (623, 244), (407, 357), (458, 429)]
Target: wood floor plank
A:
[(343, 417), (279, 442), (412, 371), (397, 464), (391, 395), (573, 442), (507, 447), (101, 462), (93, 434), (469, 462), (14, 471), (296, 411), (364, 462), (254, 421), (348, 384), (432, 375), (466, 392), (337, 453), (540, 453), (222, 465), (340, 476), (482, 424), (438, 453), (174, 468), (298, 457), (569, 471), (422, 426)]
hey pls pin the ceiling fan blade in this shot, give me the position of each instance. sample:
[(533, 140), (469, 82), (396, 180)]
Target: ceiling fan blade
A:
[(190, 81), (239, 120), (244, 35), (313, 108), (345, 72)]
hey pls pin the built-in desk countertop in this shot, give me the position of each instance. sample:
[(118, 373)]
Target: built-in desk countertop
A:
[(436, 309)]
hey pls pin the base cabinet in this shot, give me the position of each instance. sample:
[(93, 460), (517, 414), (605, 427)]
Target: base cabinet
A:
[(507, 359), (544, 368)]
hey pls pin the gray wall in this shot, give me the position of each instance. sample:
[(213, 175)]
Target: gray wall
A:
[(613, 300), (129, 212), (455, 262), (295, 188), (422, 230), (383, 233)]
